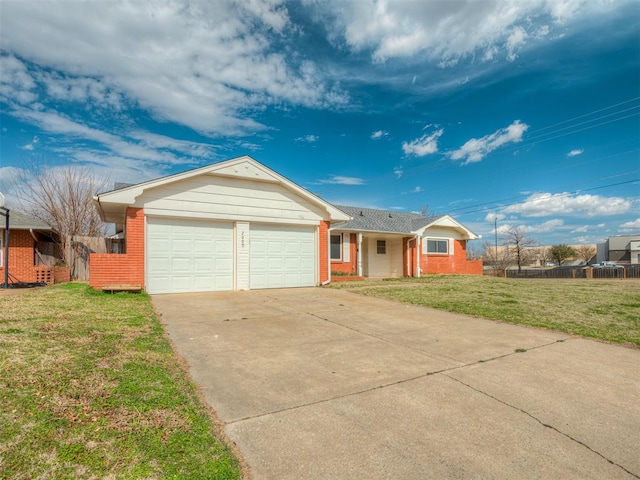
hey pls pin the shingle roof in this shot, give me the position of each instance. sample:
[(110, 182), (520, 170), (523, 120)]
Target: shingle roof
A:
[(374, 220), (21, 221)]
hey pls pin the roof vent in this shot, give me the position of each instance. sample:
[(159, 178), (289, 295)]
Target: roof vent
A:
[(361, 214), (390, 216)]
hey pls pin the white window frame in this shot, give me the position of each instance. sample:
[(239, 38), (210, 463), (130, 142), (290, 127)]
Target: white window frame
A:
[(1, 248), (339, 235), (425, 245)]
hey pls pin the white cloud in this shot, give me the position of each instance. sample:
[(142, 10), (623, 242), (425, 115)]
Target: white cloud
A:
[(515, 40), (582, 229), (377, 135), (206, 65), (417, 190), (308, 139), (425, 145), (450, 31), (546, 227), (8, 178), (633, 225), (32, 144), (580, 205), (341, 180), (575, 151), (476, 149), (492, 217), (16, 85), (398, 172)]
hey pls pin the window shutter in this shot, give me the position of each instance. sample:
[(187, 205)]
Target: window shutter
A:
[(346, 247)]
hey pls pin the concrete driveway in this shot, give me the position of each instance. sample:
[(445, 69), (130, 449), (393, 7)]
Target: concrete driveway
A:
[(325, 384)]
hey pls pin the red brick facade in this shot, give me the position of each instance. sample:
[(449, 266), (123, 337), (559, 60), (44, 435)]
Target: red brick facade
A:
[(429, 264), (324, 250), (21, 256), (22, 261), (122, 268), (352, 265), (456, 263)]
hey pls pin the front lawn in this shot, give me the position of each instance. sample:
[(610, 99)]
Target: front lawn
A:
[(90, 388), (607, 310)]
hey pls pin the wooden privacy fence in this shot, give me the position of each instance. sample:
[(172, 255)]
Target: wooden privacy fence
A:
[(81, 247), (621, 272)]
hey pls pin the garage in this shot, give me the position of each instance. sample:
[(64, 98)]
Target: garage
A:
[(282, 256), (232, 225), (189, 256)]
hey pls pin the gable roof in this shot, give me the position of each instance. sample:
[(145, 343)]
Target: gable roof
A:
[(112, 205), (388, 221), (20, 221)]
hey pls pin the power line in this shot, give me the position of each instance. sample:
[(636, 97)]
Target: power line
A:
[(498, 203), (587, 114)]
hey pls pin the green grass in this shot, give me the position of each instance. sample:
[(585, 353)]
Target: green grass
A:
[(606, 310), (90, 388)]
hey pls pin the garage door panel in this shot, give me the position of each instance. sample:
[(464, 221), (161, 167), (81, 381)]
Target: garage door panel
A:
[(282, 256), (189, 256)]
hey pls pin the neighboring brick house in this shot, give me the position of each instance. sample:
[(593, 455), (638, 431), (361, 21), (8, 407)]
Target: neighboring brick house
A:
[(383, 243), (238, 225), (27, 264)]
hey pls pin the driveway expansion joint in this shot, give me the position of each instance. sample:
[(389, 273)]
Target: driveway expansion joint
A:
[(546, 425), (389, 384)]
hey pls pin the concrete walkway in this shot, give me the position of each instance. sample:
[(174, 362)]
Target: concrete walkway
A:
[(325, 384)]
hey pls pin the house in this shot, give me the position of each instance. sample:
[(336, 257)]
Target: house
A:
[(32, 252), (620, 248), (238, 225), (382, 243)]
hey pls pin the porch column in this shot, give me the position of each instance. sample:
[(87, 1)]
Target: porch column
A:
[(418, 249), (359, 261)]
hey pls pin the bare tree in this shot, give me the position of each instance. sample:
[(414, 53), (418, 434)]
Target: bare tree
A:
[(542, 254), (586, 253), (519, 241), (62, 198), (498, 258)]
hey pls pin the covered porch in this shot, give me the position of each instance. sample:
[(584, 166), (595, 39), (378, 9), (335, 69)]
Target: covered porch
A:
[(371, 254)]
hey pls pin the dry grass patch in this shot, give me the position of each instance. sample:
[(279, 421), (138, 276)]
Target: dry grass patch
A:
[(90, 388), (606, 310)]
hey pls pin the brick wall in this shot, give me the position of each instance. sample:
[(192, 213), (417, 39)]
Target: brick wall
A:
[(456, 263), (21, 256), (352, 265), (127, 268), (324, 250)]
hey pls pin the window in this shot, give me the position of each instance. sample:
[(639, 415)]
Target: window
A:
[(381, 247), (437, 246), (336, 247), (1, 248)]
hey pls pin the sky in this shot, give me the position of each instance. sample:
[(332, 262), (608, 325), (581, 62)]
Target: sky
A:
[(508, 113)]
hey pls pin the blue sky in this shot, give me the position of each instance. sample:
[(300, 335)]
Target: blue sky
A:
[(524, 111)]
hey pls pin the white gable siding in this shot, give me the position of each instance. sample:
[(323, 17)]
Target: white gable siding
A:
[(226, 198), (440, 232)]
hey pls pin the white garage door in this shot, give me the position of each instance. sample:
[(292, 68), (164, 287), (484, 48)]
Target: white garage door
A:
[(189, 256), (282, 257)]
